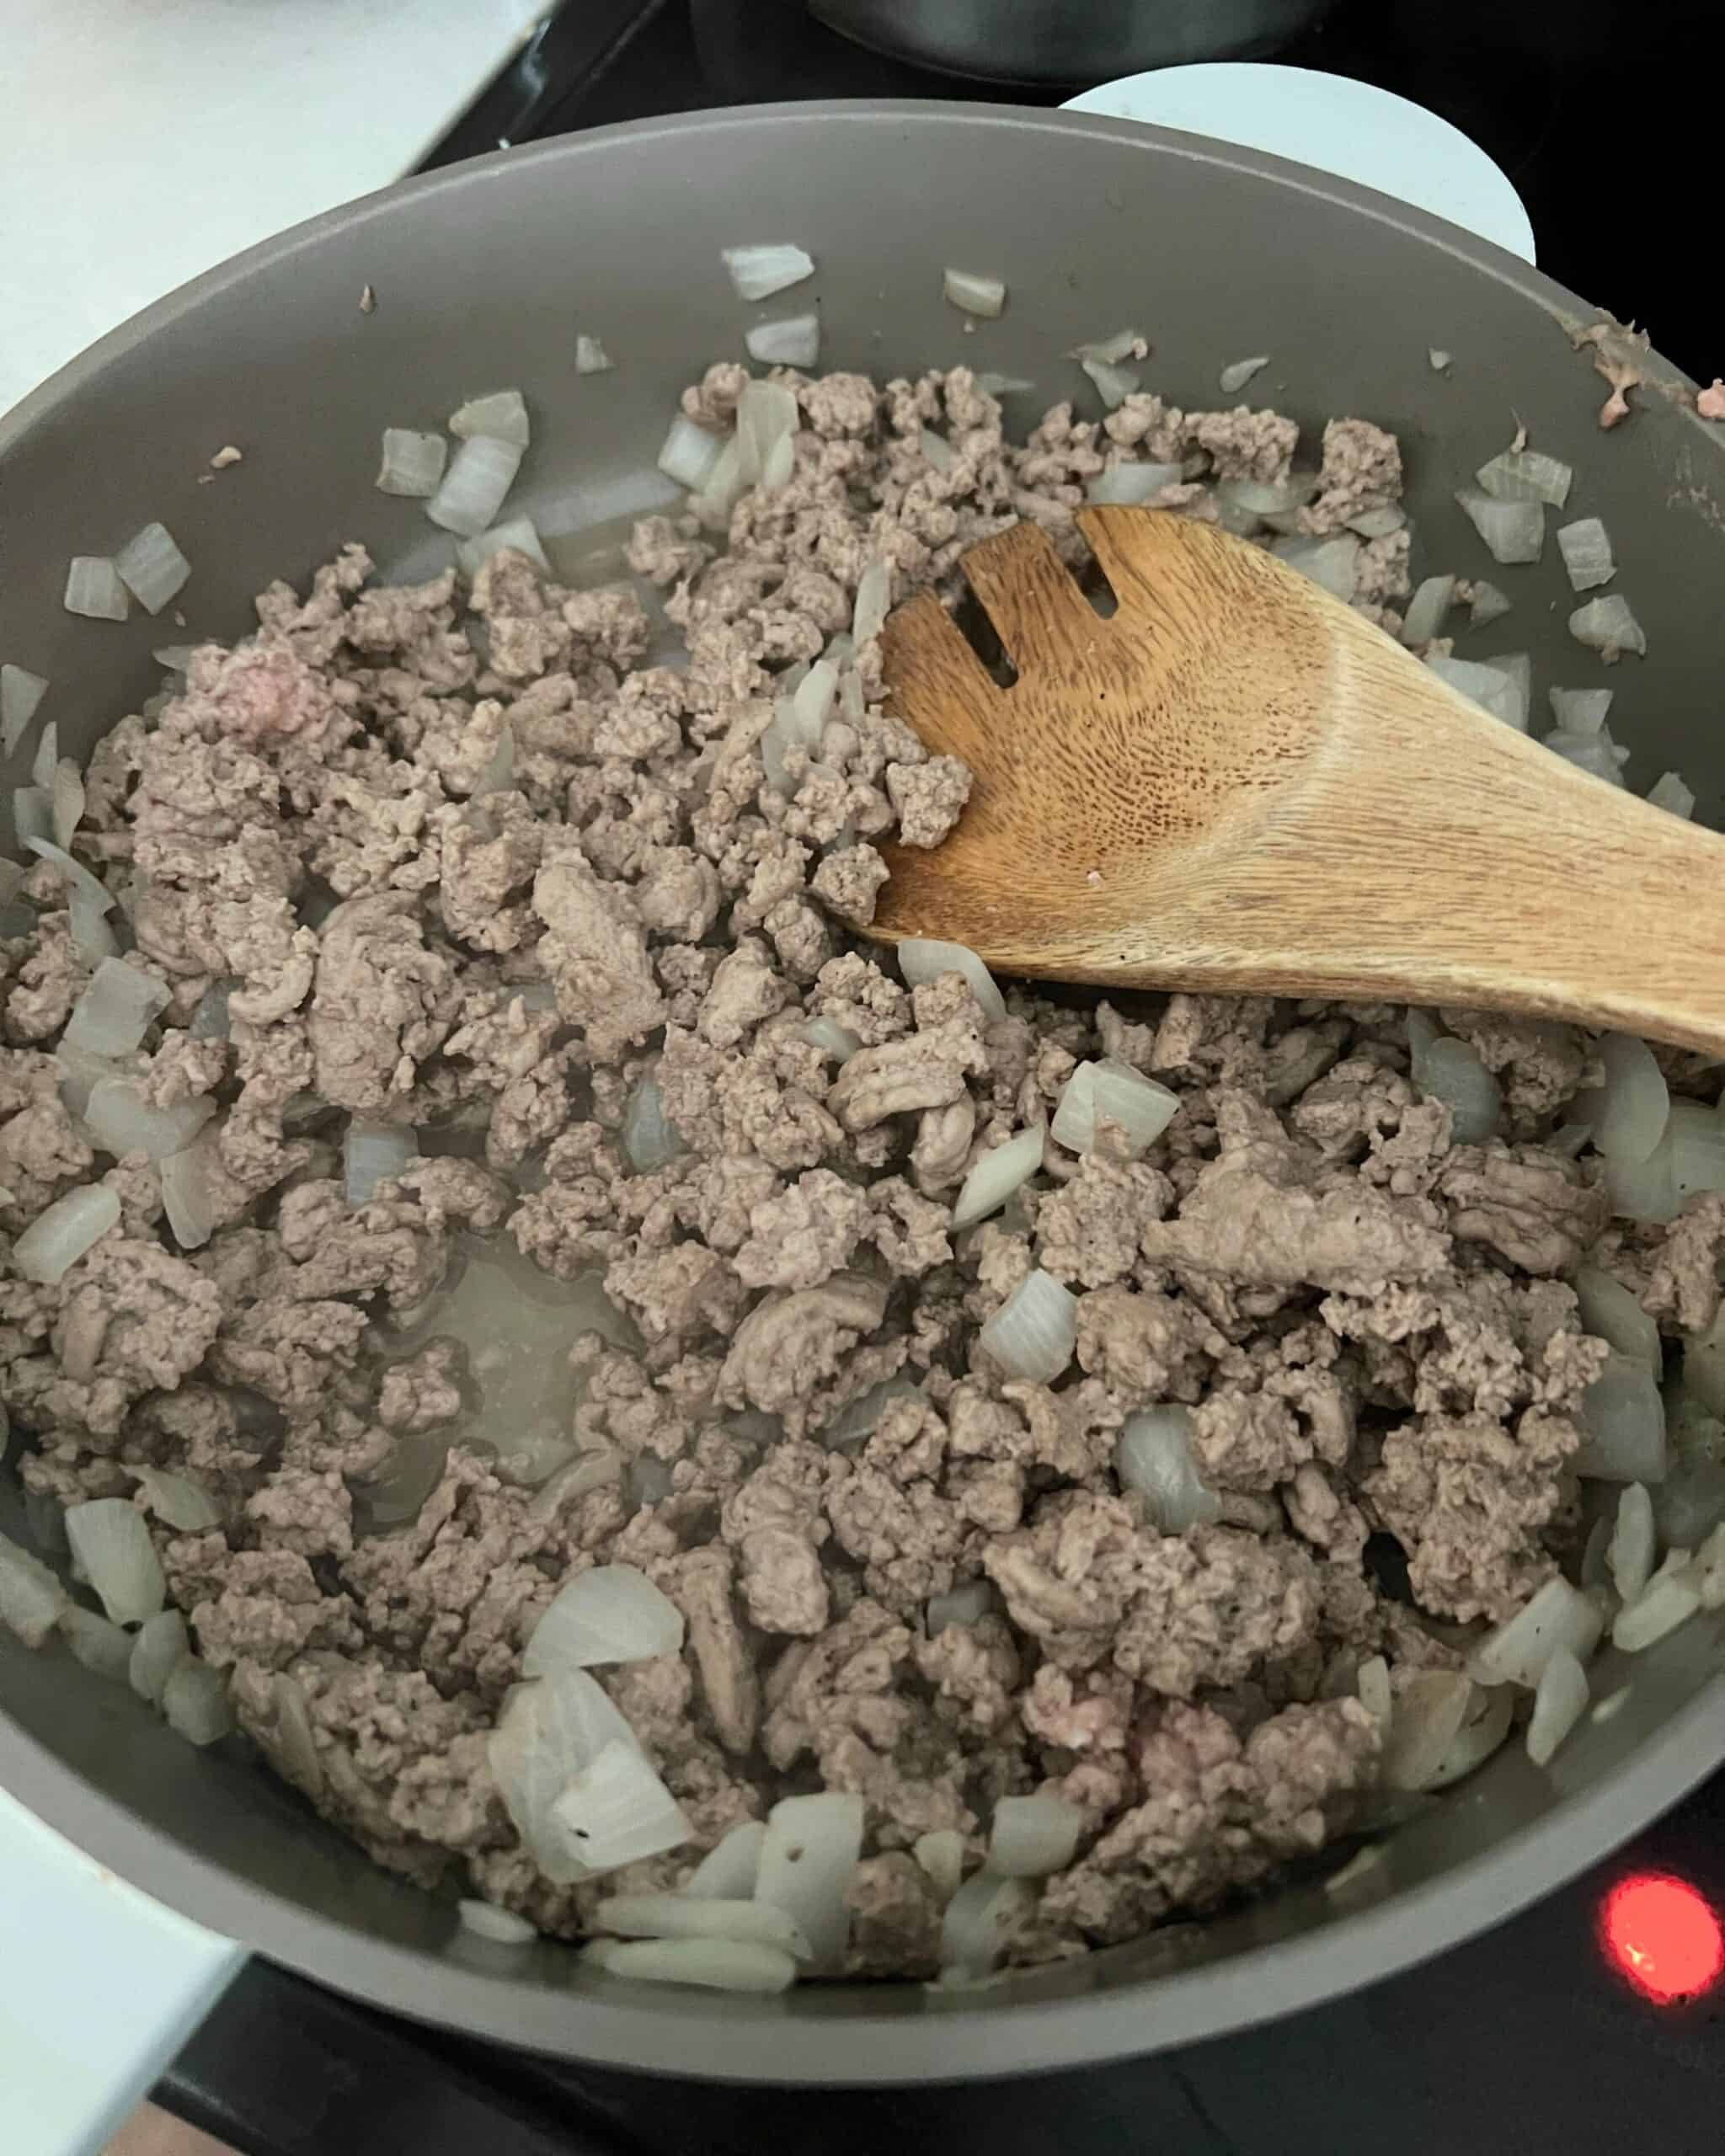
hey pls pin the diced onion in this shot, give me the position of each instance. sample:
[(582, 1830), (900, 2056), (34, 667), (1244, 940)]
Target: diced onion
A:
[(67, 793), (46, 762), (186, 1194), (1629, 1555), (551, 1732), (1124, 345), (1587, 554), (115, 1011), (1452, 1071), (1517, 669), (973, 295), (480, 474), (111, 1541), (1334, 563), (98, 1643), (808, 1855), (1032, 1836), (1670, 792), (994, 1177), (151, 568), (1671, 1599), (1611, 1314), (1438, 362), (519, 532), (941, 1854), (1624, 1420), (612, 1613), (874, 596), (701, 1916), (195, 1702), (1372, 1682), (177, 1500), (413, 463), (617, 1811), (714, 1964), (690, 454), (730, 1869), (591, 356), (77, 876), (1112, 1096), (1557, 1615), (1483, 1729), (926, 958), (1488, 686), (958, 1605), (1629, 1114), (94, 590), (1113, 385), (936, 449), (650, 1138), (1594, 753), (31, 1596), (1609, 627), (502, 416), (1558, 1705), (1580, 711), (121, 1121), (1525, 475), (1129, 484), (372, 1153), (793, 342), (63, 1231), (1430, 603), (1153, 1455), (1487, 605), (1429, 1710), (1512, 531), (21, 692), (831, 1038), (161, 1643), (768, 415), (758, 271), (1234, 377), (1643, 1190), (502, 1927), (1033, 1333), (859, 1418), (1002, 385), (976, 1924), (1380, 522), (1695, 1137), (32, 814)]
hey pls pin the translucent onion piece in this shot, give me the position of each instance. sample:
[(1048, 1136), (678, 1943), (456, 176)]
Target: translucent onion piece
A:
[(941, 1855), (519, 532), (1153, 1455), (649, 1138), (808, 1855), (1334, 563), (925, 958), (121, 1121), (77, 876), (1378, 523), (960, 1605), (724, 489), (1670, 792), (20, 693), (1594, 753), (502, 1927), (112, 1543), (91, 939), (549, 1732), (874, 596), (714, 1964), (690, 454), (1129, 484), (32, 814), (1002, 385), (1695, 1138), (1630, 1113), (591, 356), (115, 1011), (1033, 1333), (1587, 554), (729, 1870), (1671, 1600), (1372, 1682), (831, 1038), (936, 449), (1580, 711), (194, 1700), (1613, 1315), (768, 415), (1558, 1705), (177, 1500), (1112, 1098), (94, 590), (175, 658), (1643, 1190), (1124, 345), (151, 568), (1113, 385), (413, 463), (1629, 1556), (1488, 686), (758, 271), (1525, 475), (1517, 669), (1268, 497), (1609, 627), (1483, 1730), (859, 1418), (372, 1153), (1487, 605), (612, 1613), (1624, 1420), (98, 1643), (187, 1193), (977, 1922), (1430, 1708), (63, 1231), (161, 1645), (1032, 1836), (617, 1811), (793, 342), (31, 1596), (1513, 531), (1430, 603), (500, 417), (701, 1916), (1451, 1071), (1438, 362), (1690, 1501), (996, 1175), (46, 762), (1557, 1615), (480, 474), (982, 295), (1234, 377), (67, 792)]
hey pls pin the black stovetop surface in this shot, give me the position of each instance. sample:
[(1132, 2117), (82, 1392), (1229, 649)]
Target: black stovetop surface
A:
[(1526, 2039)]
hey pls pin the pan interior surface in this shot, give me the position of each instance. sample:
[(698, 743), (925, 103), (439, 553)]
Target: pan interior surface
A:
[(483, 277)]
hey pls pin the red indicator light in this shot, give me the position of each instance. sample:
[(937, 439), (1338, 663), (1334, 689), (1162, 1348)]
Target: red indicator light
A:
[(1663, 1936)]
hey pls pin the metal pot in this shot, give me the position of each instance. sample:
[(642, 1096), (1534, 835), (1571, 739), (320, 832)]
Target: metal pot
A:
[(483, 275), (1067, 42)]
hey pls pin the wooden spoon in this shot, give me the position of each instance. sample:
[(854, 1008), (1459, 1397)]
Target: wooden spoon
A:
[(1236, 784)]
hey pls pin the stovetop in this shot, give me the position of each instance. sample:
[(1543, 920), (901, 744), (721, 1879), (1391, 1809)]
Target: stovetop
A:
[(1539, 2036)]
